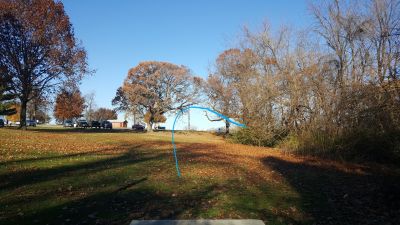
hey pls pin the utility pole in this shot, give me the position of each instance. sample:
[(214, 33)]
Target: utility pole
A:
[(188, 119)]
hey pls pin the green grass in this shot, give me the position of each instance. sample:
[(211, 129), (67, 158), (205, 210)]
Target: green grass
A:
[(66, 176)]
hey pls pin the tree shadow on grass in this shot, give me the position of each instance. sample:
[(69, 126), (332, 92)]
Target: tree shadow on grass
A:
[(128, 200), (118, 191), (332, 196), (137, 201), (56, 157), (119, 202), (16, 179), (106, 150)]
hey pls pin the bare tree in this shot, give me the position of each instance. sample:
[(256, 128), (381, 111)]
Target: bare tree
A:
[(331, 92), (38, 107), (90, 106)]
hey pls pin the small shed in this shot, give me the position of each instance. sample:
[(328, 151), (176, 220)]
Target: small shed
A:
[(119, 123)]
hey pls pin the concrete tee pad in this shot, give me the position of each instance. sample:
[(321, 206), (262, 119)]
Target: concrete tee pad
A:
[(197, 222)]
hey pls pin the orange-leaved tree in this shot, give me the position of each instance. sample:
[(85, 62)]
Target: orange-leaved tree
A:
[(104, 114), (159, 87), (225, 87), (69, 104), (14, 117), (156, 118)]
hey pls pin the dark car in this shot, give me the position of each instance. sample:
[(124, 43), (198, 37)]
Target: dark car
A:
[(138, 127), (31, 123), (82, 123), (68, 123), (95, 124), (106, 124), (1, 123), (160, 128)]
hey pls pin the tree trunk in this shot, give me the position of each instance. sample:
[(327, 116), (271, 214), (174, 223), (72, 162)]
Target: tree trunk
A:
[(188, 119), (22, 115), (149, 126), (227, 125)]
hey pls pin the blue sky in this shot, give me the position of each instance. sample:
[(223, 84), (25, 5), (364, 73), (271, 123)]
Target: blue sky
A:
[(119, 34)]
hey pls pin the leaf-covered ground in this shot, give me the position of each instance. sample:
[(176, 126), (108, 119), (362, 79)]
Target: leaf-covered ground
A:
[(66, 176)]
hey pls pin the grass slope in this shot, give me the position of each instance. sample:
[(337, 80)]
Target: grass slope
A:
[(66, 176)]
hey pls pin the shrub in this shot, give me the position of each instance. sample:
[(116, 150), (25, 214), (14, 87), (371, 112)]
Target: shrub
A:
[(257, 136), (355, 145)]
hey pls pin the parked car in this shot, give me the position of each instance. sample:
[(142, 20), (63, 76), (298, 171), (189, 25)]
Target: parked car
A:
[(82, 123), (160, 128), (95, 124), (13, 123), (1, 123), (68, 123), (138, 127), (106, 124), (31, 123)]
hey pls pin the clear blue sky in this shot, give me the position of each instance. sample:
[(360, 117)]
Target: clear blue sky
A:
[(119, 34)]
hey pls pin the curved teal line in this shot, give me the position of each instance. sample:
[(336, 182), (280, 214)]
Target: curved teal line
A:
[(195, 107)]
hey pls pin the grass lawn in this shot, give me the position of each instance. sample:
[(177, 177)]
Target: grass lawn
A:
[(67, 176)]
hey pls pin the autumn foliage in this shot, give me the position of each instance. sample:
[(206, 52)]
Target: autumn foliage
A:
[(226, 87), (38, 49), (69, 105), (14, 117), (157, 88), (156, 118), (104, 114)]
